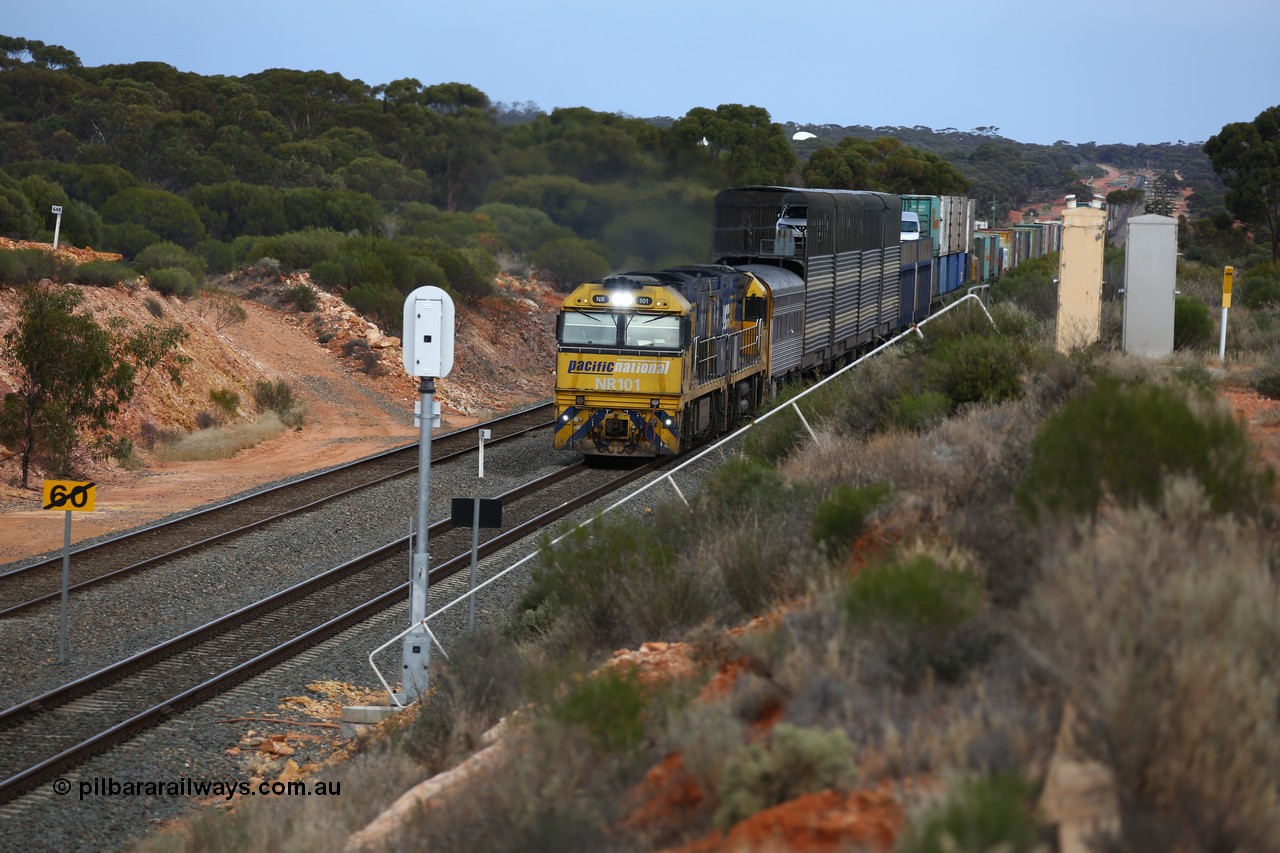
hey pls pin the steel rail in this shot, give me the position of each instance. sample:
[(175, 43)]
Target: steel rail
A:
[(115, 574), (37, 773)]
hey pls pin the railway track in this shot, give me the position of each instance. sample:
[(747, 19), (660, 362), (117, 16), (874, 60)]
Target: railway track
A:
[(38, 583), (46, 735)]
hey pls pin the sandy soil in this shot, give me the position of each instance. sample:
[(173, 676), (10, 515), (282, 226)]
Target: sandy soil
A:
[(350, 413)]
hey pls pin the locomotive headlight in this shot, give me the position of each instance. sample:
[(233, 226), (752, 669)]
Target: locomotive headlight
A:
[(669, 421), (623, 299), (565, 417)]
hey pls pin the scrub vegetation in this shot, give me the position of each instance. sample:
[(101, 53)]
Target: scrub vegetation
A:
[(929, 596)]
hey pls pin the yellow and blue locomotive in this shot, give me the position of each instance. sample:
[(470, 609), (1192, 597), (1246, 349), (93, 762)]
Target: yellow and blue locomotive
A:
[(649, 362)]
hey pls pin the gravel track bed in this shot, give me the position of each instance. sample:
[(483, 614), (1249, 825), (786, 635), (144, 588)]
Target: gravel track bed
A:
[(193, 744), (112, 621)]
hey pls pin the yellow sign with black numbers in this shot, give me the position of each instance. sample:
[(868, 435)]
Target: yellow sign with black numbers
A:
[(68, 495)]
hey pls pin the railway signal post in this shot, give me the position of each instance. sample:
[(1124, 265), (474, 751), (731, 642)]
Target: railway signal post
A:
[(427, 342), (71, 497)]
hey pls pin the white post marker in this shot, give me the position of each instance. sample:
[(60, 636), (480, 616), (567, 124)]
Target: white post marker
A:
[(1228, 273), (427, 341), (71, 496), (57, 224), (485, 435)]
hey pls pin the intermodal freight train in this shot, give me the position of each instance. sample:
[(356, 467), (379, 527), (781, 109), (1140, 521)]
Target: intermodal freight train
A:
[(806, 279)]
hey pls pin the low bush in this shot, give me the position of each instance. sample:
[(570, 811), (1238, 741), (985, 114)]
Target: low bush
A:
[(221, 309), (611, 584), (163, 255), (922, 616), (609, 706), (329, 273), (219, 442), (979, 369), (979, 814), (382, 304), (279, 397), (227, 400), (154, 306), (1163, 624), (479, 683), (920, 595), (303, 297), (26, 266), (219, 258), (840, 518), (101, 274), (173, 282), (1126, 440), (1192, 325), (1260, 286), (796, 761), (1032, 286), (918, 412)]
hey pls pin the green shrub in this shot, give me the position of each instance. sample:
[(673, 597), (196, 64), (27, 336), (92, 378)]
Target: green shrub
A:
[(159, 256), (1267, 384), (1126, 440), (570, 261), (917, 412), (303, 297), (219, 258), (128, 238), (274, 396), (1031, 286), (610, 706), (297, 250), (979, 369), (1192, 325), (1260, 286), (797, 761), (279, 397), (984, 814), (382, 304), (101, 274), (611, 584), (329, 272), (27, 266), (265, 267), (173, 282), (840, 519), (920, 595), (225, 399)]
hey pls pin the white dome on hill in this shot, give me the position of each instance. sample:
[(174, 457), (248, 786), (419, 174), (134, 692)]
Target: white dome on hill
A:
[(801, 135)]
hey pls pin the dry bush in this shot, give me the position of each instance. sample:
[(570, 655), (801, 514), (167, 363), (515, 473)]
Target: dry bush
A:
[(835, 676), (219, 442), (220, 309), (369, 784), (555, 793), (1164, 623), (479, 684)]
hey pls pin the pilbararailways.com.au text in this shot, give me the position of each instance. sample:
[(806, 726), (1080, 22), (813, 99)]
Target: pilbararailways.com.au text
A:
[(185, 786)]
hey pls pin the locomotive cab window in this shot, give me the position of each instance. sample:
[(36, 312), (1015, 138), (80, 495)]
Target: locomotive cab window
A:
[(656, 331), (580, 328)]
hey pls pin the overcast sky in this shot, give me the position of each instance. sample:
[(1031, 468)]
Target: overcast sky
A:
[(1083, 70)]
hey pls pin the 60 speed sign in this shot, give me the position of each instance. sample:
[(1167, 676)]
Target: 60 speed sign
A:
[(68, 495)]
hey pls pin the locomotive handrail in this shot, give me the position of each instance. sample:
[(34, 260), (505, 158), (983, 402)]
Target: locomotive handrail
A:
[(670, 477)]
